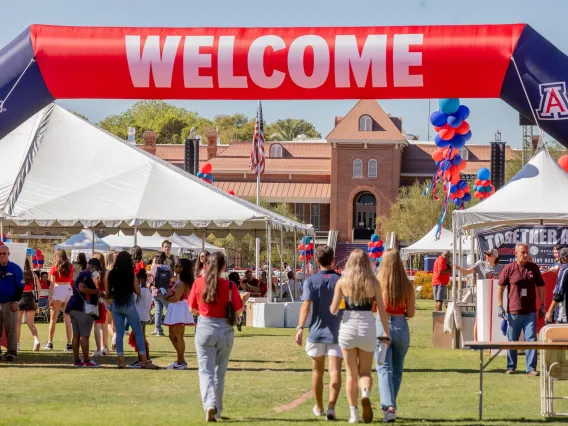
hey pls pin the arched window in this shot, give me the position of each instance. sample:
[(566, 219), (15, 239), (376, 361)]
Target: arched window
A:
[(365, 123), (276, 151), (372, 169), (357, 168)]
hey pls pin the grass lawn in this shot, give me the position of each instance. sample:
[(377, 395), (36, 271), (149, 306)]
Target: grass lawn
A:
[(267, 371)]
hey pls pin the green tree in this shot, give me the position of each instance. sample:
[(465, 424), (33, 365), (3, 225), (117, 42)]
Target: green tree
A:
[(234, 127), (414, 214), (514, 165), (290, 128), (78, 114)]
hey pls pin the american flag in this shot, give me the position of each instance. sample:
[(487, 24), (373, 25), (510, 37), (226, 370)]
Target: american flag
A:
[(257, 161)]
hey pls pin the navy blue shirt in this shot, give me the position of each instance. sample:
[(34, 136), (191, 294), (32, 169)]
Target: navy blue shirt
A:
[(76, 301), (319, 289), (560, 293), (11, 277)]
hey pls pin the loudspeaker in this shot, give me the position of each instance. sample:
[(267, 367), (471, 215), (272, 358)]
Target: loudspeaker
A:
[(189, 156), (498, 164)]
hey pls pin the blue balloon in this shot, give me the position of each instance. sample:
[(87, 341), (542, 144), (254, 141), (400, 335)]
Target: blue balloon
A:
[(441, 143), (381, 249), (453, 189), (467, 136), (458, 141), (449, 105), (437, 163), (467, 197), (374, 249), (456, 160), (475, 188), (462, 184), (438, 119), (374, 238), (483, 173), (211, 178), (463, 112), (312, 251), (200, 175), (454, 121), (482, 188), (457, 201)]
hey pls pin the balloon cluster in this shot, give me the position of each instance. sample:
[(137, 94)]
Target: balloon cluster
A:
[(205, 173), (483, 187), (375, 248), (450, 123), (306, 249), (450, 164), (37, 259), (460, 193)]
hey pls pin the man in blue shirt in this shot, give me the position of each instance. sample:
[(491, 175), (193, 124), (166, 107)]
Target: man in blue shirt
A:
[(560, 293), (324, 329), (11, 289)]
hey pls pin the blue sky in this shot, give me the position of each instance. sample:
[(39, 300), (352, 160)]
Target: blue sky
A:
[(487, 116)]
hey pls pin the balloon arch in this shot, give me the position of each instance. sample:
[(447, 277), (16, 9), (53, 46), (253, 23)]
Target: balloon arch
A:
[(511, 62)]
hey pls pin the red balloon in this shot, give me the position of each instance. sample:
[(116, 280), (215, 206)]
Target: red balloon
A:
[(39, 252), (206, 168), (485, 182), (447, 134), (311, 246), (467, 189), (492, 189), (370, 244), (463, 128), (309, 256), (447, 153), (477, 182), (301, 258), (477, 194), (455, 178), (39, 257), (34, 258), (563, 162), (486, 194), (437, 128), (231, 192), (453, 196), (377, 244), (301, 247), (378, 255), (372, 255), (438, 155), (380, 243), (460, 193)]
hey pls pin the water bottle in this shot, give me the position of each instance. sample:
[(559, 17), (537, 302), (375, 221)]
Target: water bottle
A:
[(383, 347)]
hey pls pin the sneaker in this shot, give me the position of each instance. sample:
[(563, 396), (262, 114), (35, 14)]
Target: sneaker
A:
[(210, 414), (68, 348), (389, 415), (176, 366), (36, 346), (48, 346), (316, 412), (97, 354), (510, 371), (149, 366), (330, 415), (353, 415), (10, 357), (533, 373), (127, 332), (104, 352), (154, 333), (137, 364), (366, 404), (78, 363), (160, 334), (91, 364)]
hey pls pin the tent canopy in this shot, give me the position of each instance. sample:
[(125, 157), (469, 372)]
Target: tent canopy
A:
[(61, 171), (536, 194), (84, 241), (429, 244)]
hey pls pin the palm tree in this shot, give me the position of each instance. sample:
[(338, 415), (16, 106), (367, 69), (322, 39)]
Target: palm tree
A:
[(290, 128)]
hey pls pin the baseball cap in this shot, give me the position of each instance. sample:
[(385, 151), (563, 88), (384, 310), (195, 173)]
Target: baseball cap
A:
[(563, 253), (96, 263), (492, 252)]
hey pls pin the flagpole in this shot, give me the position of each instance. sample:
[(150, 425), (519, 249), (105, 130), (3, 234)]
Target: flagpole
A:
[(257, 248)]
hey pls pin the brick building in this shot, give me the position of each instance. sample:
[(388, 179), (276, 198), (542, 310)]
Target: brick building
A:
[(343, 182)]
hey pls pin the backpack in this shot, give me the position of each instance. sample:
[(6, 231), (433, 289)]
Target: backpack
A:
[(162, 278)]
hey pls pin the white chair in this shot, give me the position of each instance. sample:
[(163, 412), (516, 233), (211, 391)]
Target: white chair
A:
[(553, 366)]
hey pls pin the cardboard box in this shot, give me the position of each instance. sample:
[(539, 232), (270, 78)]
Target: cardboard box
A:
[(440, 340), (249, 314)]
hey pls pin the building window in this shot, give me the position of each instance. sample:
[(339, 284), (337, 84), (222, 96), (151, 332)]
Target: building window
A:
[(315, 216), (299, 211), (464, 154), (276, 151), (357, 168), (372, 169), (365, 123)]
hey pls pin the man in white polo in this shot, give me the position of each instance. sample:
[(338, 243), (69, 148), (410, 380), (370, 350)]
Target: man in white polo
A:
[(324, 330)]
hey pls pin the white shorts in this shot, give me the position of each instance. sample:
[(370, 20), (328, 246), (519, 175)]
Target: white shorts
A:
[(316, 350), (62, 293)]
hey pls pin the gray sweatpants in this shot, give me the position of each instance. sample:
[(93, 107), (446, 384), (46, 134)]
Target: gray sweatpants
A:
[(213, 344), (9, 321)]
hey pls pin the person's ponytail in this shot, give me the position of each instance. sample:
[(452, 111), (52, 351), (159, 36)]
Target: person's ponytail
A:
[(214, 266)]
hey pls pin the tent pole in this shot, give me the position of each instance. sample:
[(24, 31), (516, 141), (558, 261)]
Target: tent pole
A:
[(461, 264), (1, 231), (472, 251), (203, 236), (282, 259), (453, 277), (295, 265), (93, 241), (135, 235), (269, 253)]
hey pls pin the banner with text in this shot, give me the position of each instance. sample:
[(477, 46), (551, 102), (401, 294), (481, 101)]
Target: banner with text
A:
[(541, 240)]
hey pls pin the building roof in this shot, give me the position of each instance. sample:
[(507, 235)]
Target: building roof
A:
[(273, 165), (288, 192), (383, 130)]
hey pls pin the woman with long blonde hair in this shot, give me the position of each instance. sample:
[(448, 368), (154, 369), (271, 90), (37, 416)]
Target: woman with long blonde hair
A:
[(60, 291), (398, 298), (357, 333)]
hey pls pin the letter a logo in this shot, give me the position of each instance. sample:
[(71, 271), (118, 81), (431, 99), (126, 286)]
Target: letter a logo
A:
[(553, 102)]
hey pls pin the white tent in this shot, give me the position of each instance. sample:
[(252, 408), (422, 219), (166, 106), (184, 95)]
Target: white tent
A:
[(537, 194), (154, 242), (83, 241), (61, 171), (429, 244)]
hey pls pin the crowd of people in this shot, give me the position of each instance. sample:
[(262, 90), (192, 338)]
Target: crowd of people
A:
[(356, 317)]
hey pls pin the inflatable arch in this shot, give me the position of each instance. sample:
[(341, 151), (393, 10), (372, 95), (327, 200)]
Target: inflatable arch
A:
[(511, 62)]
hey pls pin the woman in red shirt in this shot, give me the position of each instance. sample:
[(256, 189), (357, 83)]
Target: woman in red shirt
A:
[(28, 303), (214, 335), (60, 291)]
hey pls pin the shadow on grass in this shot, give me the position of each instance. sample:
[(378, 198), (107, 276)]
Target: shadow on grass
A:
[(508, 420)]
